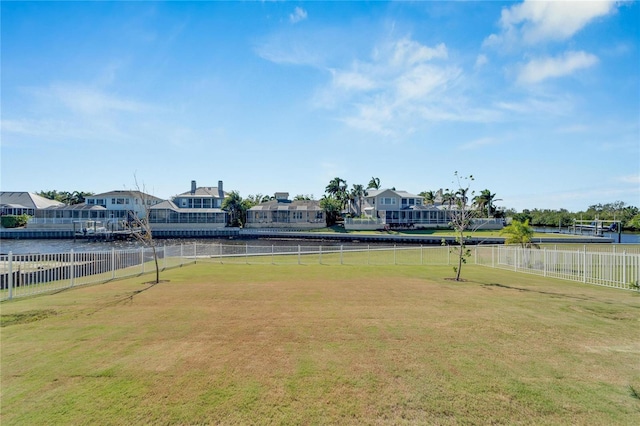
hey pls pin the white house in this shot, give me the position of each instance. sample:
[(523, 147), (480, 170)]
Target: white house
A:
[(199, 208)]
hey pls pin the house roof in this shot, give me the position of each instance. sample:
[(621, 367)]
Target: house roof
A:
[(126, 193), (170, 205), (78, 207), (203, 191), (400, 193), (274, 205), (27, 200)]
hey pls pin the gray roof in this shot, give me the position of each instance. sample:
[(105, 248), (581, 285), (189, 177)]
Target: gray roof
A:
[(125, 193), (75, 207), (27, 200), (401, 193), (203, 191), (170, 205), (273, 205)]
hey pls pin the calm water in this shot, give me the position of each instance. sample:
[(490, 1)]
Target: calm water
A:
[(62, 246)]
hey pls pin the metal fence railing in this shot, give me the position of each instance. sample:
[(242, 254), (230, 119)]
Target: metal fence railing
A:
[(617, 268), (25, 275)]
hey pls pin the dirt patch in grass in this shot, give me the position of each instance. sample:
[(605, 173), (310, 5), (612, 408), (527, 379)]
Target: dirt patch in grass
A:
[(25, 317)]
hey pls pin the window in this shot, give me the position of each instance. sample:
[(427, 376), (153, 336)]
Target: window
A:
[(91, 201), (412, 201), (388, 201), (113, 201)]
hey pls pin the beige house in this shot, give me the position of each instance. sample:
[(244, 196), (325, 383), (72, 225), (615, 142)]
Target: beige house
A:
[(284, 213)]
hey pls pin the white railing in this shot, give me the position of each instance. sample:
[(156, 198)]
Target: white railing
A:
[(25, 275), (617, 269)]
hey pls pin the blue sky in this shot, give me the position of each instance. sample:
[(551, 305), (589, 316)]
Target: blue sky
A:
[(540, 101)]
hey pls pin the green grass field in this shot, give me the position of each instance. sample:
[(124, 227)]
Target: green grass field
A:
[(320, 344)]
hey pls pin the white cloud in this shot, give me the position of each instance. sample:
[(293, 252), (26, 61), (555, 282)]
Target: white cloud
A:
[(86, 100), (299, 14), (541, 69), (478, 144), (403, 81), (481, 61), (632, 179), (538, 21), (352, 80)]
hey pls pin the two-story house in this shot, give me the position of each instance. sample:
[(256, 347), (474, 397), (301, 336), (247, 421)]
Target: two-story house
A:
[(200, 207)]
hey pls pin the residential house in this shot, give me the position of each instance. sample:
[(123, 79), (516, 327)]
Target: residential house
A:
[(395, 208), (18, 203), (200, 207), (121, 205), (284, 213)]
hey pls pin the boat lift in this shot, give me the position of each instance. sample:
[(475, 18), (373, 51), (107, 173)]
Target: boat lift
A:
[(597, 227)]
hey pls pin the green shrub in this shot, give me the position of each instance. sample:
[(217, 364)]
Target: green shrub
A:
[(12, 221)]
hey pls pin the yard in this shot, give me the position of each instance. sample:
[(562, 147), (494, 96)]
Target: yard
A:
[(323, 344)]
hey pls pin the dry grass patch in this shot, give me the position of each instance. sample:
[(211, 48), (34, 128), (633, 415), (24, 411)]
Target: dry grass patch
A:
[(238, 344)]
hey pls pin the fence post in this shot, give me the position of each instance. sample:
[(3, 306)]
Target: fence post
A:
[(10, 277), (493, 256), (544, 261), (394, 255), (341, 254), (368, 253), (584, 264), (142, 258), (421, 262), (624, 267), (164, 257), (219, 252), (72, 271), (113, 263), (298, 254), (246, 253), (181, 254), (515, 259), (320, 252)]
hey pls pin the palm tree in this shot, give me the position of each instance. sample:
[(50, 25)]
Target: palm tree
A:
[(233, 203), (338, 189), (485, 201), (448, 198), (358, 192), (429, 197), (519, 233), (374, 183)]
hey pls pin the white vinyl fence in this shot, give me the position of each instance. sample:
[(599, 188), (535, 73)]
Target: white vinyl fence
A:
[(31, 274), (617, 268), (25, 275)]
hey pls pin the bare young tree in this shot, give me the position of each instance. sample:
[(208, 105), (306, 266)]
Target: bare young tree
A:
[(143, 232), (461, 214)]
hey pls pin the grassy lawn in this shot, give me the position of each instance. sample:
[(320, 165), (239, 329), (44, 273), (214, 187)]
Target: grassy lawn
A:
[(320, 344)]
